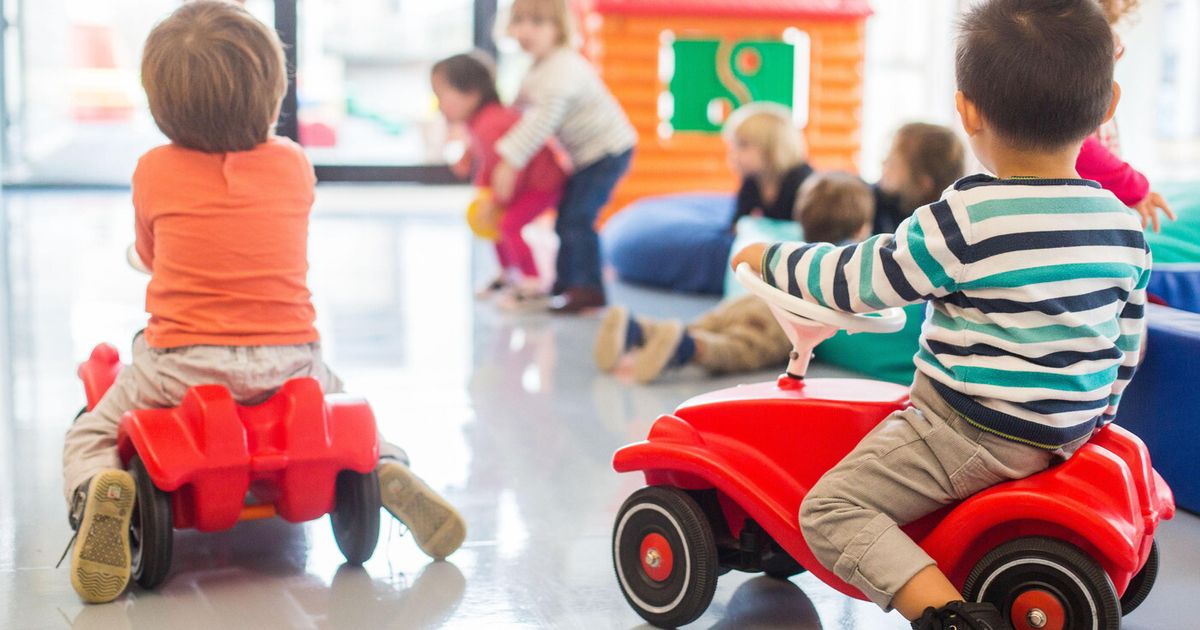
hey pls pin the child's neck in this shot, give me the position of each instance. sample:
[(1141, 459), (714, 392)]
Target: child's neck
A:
[(1008, 162)]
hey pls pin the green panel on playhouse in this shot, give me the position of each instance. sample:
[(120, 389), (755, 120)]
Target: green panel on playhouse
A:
[(714, 73)]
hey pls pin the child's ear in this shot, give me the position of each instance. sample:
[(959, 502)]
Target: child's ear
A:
[(1112, 107), (968, 114)]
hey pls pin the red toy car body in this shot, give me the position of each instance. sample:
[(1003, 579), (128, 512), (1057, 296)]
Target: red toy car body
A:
[(728, 470), (211, 462)]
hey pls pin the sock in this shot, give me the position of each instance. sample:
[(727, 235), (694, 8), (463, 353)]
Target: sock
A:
[(634, 338), (684, 351)]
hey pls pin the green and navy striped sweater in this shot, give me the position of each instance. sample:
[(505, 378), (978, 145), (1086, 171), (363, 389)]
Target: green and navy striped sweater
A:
[(1036, 293)]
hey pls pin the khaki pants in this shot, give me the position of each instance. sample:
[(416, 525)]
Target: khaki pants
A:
[(740, 335), (916, 461), (159, 378)]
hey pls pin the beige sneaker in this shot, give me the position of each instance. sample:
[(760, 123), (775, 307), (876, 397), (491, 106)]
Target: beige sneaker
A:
[(610, 338), (100, 560), (662, 338), (436, 526)]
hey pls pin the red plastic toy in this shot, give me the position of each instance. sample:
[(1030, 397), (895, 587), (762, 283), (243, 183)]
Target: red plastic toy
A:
[(210, 463), (1071, 547)]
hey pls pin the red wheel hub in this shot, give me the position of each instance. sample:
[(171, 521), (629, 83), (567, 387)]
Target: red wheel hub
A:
[(657, 559), (1037, 609)]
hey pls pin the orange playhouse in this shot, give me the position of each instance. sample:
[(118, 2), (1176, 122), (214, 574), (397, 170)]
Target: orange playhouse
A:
[(679, 67)]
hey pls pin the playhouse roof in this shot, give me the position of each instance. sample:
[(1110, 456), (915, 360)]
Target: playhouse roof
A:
[(738, 8)]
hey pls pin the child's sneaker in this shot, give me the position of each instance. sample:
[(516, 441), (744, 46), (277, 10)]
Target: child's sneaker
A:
[(659, 351), (492, 288), (523, 298), (962, 616), (100, 560), (611, 339), (436, 526)]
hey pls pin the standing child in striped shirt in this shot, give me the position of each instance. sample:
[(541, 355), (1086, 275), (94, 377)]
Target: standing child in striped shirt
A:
[(564, 98), (1036, 287)]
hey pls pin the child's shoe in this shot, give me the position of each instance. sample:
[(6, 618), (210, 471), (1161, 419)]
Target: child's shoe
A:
[(612, 338), (526, 296), (962, 616), (100, 559), (660, 350), (436, 526), (492, 288)]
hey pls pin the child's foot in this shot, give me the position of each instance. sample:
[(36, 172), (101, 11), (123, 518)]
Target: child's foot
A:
[(436, 526), (525, 297), (612, 338), (492, 288), (100, 560), (665, 346), (963, 616), (578, 300)]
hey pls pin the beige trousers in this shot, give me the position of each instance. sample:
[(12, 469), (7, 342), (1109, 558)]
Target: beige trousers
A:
[(740, 335), (159, 378)]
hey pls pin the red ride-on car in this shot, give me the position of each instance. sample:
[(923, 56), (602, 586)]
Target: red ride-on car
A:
[(1069, 548), (210, 463)]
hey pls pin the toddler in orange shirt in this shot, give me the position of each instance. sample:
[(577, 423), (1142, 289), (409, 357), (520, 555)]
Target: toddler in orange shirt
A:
[(222, 225)]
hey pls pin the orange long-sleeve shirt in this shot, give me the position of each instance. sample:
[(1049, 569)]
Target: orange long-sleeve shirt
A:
[(225, 236)]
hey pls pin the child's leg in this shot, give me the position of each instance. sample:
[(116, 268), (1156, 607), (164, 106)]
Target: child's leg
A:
[(913, 463), (587, 191), (523, 209), (739, 335)]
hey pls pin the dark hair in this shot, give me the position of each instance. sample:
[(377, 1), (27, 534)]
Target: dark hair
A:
[(931, 151), (1040, 71), (834, 207), (471, 73)]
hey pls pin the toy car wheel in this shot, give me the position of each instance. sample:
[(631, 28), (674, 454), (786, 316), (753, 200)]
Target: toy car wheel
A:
[(355, 516), (151, 529), (781, 566), (665, 556), (1045, 584), (1140, 585)]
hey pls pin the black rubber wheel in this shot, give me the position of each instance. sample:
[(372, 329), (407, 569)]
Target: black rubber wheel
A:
[(781, 566), (355, 516), (151, 529), (1140, 585), (1048, 578), (665, 556)]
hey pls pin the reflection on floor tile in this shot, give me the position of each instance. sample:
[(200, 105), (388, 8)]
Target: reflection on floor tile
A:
[(505, 414)]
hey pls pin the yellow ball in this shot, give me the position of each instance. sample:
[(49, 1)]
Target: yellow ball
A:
[(483, 224)]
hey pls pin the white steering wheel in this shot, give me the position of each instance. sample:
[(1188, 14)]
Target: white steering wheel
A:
[(885, 321)]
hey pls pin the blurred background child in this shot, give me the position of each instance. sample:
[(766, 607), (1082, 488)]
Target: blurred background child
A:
[(766, 152), (465, 86)]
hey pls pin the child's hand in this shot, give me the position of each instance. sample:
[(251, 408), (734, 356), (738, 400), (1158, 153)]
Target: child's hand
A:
[(751, 255), (504, 179), (1149, 207)]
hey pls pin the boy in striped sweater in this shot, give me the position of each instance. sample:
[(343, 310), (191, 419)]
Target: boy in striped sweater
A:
[(1035, 280)]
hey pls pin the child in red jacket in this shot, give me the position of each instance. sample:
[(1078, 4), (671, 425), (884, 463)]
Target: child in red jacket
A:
[(466, 91)]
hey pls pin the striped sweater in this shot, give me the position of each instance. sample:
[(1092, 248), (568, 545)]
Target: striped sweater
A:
[(563, 97), (1036, 293)]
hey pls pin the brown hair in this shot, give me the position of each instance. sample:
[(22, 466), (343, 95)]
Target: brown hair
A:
[(214, 77), (929, 151), (834, 207), (555, 11), (1039, 71), (1117, 10), (470, 73)]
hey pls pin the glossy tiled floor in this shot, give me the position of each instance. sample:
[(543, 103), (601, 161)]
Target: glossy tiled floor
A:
[(505, 414)]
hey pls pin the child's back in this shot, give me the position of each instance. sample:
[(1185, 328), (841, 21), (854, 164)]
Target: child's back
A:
[(226, 238)]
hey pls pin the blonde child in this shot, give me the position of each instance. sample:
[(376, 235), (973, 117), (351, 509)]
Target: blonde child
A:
[(563, 98), (465, 87), (221, 219), (766, 152)]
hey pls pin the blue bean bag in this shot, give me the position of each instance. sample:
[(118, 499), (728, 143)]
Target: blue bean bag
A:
[(1160, 403), (676, 242), (1176, 275)]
